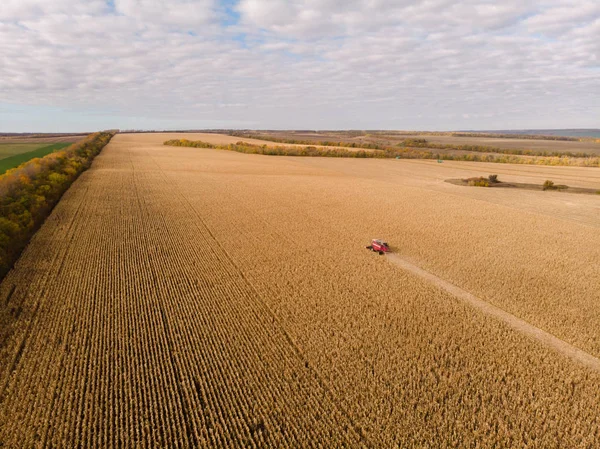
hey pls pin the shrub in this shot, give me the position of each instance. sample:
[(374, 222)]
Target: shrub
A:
[(413, 143), (478, 182), (548, 185), (493, 179), (405, 150)]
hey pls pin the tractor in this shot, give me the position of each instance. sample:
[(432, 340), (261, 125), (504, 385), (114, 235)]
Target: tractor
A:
[(379, 246)]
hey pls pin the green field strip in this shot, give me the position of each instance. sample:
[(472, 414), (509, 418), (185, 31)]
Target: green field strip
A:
[(12, 149), (18, 159)]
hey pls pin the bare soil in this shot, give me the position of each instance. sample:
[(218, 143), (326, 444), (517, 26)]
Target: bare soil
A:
[(527, 186)]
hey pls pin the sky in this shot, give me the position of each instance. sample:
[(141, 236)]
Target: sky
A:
[(84, 65)]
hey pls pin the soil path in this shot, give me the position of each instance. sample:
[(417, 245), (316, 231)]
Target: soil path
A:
[(516, 323)]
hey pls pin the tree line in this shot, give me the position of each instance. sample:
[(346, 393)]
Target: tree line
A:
[(385, 153), (29, 192)]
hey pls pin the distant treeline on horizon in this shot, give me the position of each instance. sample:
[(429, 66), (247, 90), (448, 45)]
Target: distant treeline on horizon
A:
[(590, 132), (543, 132)]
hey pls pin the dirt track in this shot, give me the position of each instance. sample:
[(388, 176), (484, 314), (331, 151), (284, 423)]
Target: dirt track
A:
[(516, 323)]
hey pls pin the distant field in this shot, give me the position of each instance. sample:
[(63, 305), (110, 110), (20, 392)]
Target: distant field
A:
[(11, 149), (393, 138), (522, 144), (41, 138), (14, 154), (16, 149), (592, 132)]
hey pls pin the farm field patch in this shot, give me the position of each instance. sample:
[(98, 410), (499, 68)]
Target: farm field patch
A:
[(186, 296), (586, 146), (17, 149), (13, 155), (11, 149), (589, 146), (221, 139), (41, 138)]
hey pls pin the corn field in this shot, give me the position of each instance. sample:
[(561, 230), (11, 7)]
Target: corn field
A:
[(183, 297)]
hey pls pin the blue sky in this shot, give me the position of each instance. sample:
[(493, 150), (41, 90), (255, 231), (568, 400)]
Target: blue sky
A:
[(75, 65)]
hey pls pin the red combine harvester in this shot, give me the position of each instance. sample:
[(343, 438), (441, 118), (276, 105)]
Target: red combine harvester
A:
[(379, 246)]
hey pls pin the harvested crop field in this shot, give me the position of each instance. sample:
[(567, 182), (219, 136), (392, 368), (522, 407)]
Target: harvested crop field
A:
[(41, 138), (221, 139), (187, 297), (586, 145)]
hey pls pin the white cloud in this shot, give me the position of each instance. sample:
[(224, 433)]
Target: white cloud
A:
[(565, 17), (27, 9), (308, 63), (185, 13)]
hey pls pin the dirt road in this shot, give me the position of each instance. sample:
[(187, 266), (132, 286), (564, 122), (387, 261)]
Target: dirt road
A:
[(516, 323)]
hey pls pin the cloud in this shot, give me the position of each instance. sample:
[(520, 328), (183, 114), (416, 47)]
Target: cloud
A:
[(564, 17), (316, 18), (434, 64), (18, 10), (186, 13)]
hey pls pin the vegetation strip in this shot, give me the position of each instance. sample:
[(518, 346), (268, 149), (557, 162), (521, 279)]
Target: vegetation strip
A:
[(310, 151), (18, 159), (29, 192), (381, 153), (516, 323)]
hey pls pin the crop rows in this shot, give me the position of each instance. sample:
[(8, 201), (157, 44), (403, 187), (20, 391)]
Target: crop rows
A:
[(179, 297), (403, 356), (138, 337)]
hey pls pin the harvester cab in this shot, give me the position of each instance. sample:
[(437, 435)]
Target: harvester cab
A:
[(379, 246)]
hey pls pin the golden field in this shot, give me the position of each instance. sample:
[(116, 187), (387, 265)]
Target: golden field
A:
[(587, 145), (181, 297)]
